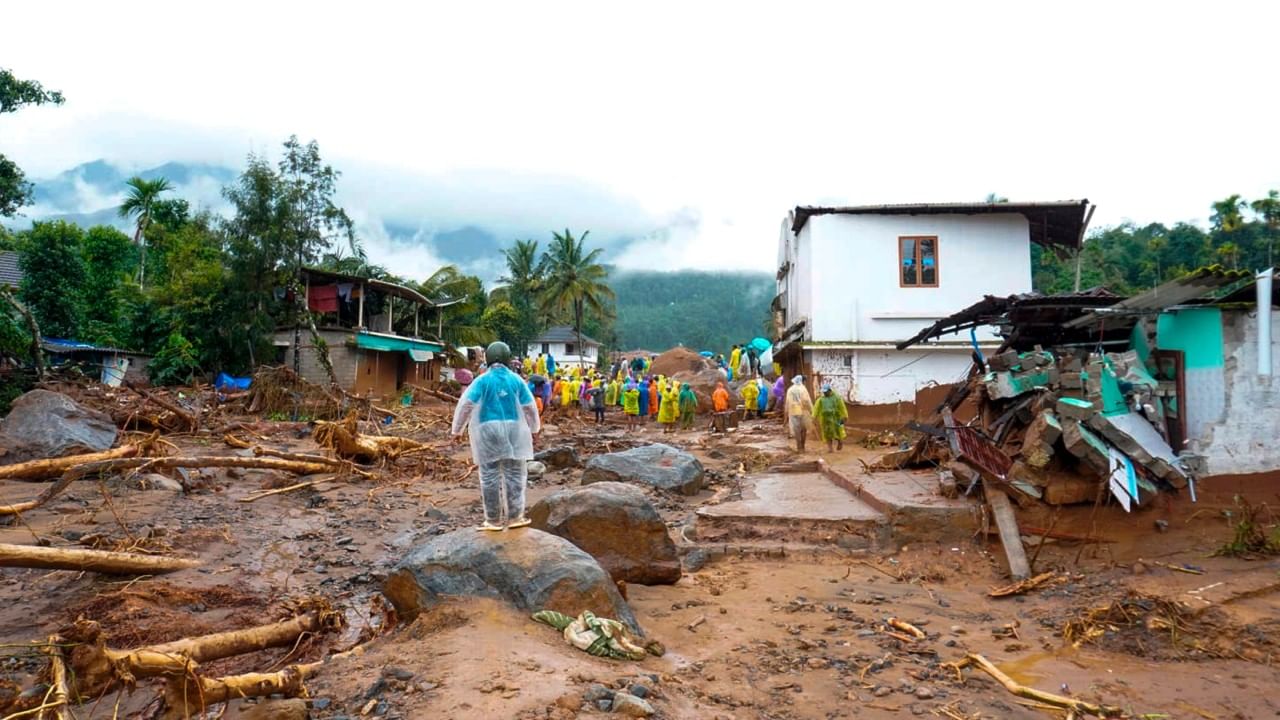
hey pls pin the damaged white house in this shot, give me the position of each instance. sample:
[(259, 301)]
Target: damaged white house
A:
[(853, 281)]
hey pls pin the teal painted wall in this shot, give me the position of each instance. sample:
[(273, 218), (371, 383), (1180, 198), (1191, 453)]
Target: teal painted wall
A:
[(1197, 332)]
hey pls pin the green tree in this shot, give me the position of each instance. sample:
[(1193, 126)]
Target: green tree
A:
[(524, 278), (1228, 214), (285, 219), (501, 319), (1268, 208), (53, 277), (575, 280), (463, 320), (15, 191), (176, 363), (139, 203), (108, 259)]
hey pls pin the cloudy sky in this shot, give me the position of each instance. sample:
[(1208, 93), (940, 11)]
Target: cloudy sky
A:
[(690, 126)]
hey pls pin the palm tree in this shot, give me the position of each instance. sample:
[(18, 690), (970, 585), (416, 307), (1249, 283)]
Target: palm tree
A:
[(1228, 214), (525, 271), (462, 321), (574, 281), (1268, 208), (138, 204)]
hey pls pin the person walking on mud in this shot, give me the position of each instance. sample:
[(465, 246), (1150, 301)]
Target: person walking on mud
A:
[(830, 415), (500, 413), (799, 408)]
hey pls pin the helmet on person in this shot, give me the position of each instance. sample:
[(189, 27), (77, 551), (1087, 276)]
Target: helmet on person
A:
[(497, 352)]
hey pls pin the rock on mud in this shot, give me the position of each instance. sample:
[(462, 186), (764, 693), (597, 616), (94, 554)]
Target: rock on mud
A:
[(657, 465), (617, 525), (558, 458), (45, 424), (528, 568)]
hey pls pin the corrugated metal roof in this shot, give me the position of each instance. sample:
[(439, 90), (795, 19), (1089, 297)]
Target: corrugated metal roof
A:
[(1053, 224), (563, 333), (1191, 286), (10, 271)]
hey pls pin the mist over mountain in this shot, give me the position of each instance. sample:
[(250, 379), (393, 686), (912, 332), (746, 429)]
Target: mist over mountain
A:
[(412, 224)]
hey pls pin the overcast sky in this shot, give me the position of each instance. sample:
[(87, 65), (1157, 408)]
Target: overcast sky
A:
[(695, 125)]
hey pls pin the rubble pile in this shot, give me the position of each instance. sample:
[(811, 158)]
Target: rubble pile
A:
[(1056, 427)]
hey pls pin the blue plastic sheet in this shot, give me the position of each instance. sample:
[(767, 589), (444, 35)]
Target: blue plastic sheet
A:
[(226, 382)]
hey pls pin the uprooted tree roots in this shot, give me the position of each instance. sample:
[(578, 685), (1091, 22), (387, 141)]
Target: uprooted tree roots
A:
[(98, 670), (1161, 629), (343, 437)]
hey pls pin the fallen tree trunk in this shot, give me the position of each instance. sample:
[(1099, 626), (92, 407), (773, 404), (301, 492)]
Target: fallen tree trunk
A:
[(199, 461), (189, 695), (49, 468), (100, 561), (99, 669), (49, 493), (343, 437)]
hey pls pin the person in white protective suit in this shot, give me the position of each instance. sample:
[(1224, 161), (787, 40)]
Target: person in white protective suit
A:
[(502, 417)]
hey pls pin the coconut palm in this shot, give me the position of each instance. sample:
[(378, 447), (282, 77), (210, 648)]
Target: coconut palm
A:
[(1268, 208), (574, 281), (1228, 214), (138, 204)]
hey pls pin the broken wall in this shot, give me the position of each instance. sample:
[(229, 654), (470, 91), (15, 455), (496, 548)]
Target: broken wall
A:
[(1197, 332), (1243, 439)]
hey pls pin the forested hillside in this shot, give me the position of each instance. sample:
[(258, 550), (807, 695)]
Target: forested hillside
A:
[(700, 310)]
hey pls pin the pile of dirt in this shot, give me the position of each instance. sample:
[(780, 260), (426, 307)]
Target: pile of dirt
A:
[(678, 360), (703, 384), (159, 612)]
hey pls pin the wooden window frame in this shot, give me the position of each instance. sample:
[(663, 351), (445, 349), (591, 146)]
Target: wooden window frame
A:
[(937, 261)]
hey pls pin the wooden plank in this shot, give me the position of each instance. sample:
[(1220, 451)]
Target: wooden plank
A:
[(1010, 537)]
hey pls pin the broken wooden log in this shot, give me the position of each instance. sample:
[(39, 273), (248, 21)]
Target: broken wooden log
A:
[(1023, 586), (201, 461), (189, 695), (192, 422), (49, 468), (100, 561), (59, 695), (343, 437), (1010, 537), (99, 669), (1022, 691)]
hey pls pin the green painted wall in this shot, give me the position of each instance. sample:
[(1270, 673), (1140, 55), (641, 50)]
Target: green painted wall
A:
[(1197, 332)]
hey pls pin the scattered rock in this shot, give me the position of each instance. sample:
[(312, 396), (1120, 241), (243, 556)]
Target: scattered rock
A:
[(617, 525), (695, 560), (536, 469), (569, 701), (628, 705), (924, 692), (596, 692), (397, 673), (882, 691), (156, 481), (638, 690), (558, 458), (291, 709), (528, 568), (660, 466), (45, 424)]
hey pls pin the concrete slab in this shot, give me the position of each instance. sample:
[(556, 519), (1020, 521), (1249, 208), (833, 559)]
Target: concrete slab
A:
[(909, 499), (796, 496)]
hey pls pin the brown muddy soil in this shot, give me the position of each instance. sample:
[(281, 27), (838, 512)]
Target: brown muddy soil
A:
[(796, 633)]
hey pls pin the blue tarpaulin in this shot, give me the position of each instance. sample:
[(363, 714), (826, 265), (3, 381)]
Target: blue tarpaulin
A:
[(226, 382)]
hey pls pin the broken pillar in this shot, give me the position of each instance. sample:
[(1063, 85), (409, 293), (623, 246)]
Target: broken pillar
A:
[(1082, 443), (1038, 440)]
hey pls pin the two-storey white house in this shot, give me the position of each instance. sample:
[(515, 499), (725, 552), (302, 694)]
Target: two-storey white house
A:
[(853, 281), (562, 344)]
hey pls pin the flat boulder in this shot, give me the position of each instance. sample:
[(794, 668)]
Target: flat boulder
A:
[(45, 424), (527, 568), (617, 525), (558, 458), (659, 466)]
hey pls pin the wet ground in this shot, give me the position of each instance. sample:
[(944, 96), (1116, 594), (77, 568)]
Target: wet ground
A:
[(795, 632)]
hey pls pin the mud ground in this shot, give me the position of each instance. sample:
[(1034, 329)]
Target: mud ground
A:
[(791, 630)]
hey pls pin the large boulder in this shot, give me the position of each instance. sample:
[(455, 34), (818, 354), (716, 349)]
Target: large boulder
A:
[(660, 466), (528, 568), (45, 424), (617, 525), (559, 457)]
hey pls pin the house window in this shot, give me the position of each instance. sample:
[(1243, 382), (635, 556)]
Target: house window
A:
[(918, 259), (570, 349), (546, 348)]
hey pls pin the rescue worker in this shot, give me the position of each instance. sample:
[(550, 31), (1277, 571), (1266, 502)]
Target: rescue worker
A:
[(688, 406), (500, 413), (631, 404), (750, 392), (670, 409), (830, 415), (799, 408)]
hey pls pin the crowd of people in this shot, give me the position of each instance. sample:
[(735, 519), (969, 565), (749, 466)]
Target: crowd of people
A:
[(629, 386)]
